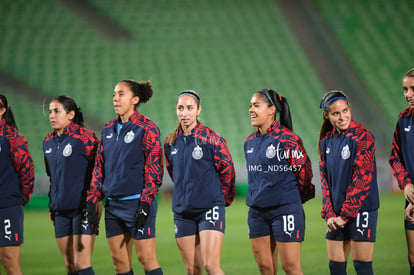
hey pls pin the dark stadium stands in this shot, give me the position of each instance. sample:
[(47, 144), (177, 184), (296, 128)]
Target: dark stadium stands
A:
[(376, 36), (225, 50)]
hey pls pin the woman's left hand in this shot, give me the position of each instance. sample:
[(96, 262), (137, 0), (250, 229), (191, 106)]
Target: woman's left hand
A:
[(409, 193), (408, 215), (331, 224)]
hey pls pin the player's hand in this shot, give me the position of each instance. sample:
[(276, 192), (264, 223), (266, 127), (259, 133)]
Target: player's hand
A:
[(90, 214), (409, 193), (331, 224), (141, 215), (408, 215), (340, 223)]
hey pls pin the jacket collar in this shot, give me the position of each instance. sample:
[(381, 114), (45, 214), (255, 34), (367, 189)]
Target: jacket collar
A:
[(275, 124), (195, 131), (136, 115), (70, 128)]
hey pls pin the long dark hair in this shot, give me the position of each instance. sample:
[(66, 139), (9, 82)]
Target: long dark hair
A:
[(8, 115), (174, 133), (141, 89), (327, 99), (282, 106), (70, 105)]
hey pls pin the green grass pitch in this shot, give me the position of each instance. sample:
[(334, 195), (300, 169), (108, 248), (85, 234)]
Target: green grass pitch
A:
[(40, 254)]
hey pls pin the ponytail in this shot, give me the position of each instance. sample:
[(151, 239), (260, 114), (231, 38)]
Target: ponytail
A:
[(173, 136), (8, 115), (326, 127), (282, 106), (78, 118), (284, 115), (141, 89)]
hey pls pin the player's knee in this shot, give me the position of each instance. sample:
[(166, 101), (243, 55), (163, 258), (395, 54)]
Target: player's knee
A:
[(10, 264), (148, 261), (121, 265), (212, 268), (265, 269), (144, 259), (291, 268), (411, 258)]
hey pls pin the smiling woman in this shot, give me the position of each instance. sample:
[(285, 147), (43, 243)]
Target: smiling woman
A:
[(339, 114), (279, 177), (263, 110), (349, 186)]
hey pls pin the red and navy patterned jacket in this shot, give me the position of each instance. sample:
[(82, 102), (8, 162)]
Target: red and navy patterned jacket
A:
[(202, 170), (279, 169), (402, 154), (129, 163), (69, 160), (348, 172), (16, 167)]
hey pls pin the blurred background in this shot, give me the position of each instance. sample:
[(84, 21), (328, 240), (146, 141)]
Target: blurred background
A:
[(224, 49)]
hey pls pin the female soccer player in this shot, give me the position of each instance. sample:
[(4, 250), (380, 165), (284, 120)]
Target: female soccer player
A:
[(128, 172), (402, 160), (201, 168), (69, 152), (349, 186), (279, 177), (16, 187)]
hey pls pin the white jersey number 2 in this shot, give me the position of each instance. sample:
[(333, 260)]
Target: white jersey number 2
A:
[(7, 226)]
